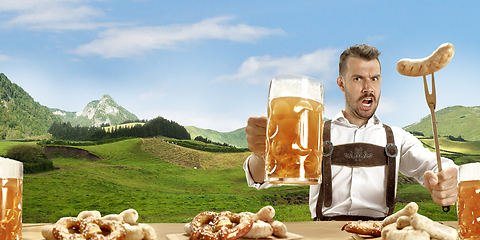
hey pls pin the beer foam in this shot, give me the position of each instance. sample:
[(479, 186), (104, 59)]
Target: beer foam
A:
[(469, 172), (296, 86), (10, 168)]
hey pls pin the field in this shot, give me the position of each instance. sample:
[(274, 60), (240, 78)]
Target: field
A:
[(168, 183)]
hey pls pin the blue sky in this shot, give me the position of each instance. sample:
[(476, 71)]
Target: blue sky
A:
[(208, 63)]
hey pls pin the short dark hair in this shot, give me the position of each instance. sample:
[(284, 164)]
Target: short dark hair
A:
[(363, 51)]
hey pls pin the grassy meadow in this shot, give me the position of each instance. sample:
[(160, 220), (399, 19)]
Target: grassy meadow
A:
[(168, 183)]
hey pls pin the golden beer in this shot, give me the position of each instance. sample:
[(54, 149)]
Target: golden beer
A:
[(468, 205), (11, 209), (469, 209), (11, 180), (294, 134)]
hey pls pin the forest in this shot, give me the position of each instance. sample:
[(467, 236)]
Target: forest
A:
[(156, 127)]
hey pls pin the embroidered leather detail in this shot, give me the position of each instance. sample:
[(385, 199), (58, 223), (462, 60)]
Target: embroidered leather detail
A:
[(358, 155)]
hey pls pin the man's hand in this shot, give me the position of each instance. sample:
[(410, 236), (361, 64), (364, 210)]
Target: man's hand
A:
[(257, 134), (442, 186)]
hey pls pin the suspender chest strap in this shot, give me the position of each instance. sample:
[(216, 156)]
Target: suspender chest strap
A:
[(356, 155)]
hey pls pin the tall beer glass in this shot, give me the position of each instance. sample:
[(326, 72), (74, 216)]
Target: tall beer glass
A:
[(294, 131), (468, 206), (11, 177)]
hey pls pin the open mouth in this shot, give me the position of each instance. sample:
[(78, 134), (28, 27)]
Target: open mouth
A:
[(367, 102)]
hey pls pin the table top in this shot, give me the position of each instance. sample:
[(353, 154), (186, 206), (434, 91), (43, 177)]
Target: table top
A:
[(308, 230)]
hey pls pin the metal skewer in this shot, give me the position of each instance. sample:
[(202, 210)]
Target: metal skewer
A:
[(432, 101)]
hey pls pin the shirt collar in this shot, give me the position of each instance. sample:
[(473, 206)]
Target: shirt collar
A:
[(342, 120)]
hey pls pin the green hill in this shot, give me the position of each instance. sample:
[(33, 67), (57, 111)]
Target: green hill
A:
[(237, 138), (20, 115), (452, 121)]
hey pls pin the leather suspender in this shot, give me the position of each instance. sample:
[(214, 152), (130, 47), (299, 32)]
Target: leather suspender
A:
[(356, 155)]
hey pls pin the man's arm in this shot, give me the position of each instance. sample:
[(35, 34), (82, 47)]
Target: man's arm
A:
[(421, 163), (256, 135)]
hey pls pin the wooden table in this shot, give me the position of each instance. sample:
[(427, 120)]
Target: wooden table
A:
[(309, 230)]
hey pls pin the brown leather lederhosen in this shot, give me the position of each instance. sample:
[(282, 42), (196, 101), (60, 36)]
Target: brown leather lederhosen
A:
[(356, 155)]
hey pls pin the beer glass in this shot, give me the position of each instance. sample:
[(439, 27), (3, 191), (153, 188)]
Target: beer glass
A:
[(294, 131), (468, 206), (11, 177)]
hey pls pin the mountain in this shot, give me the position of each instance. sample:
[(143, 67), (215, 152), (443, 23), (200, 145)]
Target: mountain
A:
[(96, 113), (20, 115), (451, 121), (237, 138)]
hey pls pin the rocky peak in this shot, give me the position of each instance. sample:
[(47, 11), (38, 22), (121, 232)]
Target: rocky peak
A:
[(98, 112)]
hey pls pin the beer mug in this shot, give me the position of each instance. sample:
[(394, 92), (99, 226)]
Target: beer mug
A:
[(11, 176), (294, 131), (468, 206)]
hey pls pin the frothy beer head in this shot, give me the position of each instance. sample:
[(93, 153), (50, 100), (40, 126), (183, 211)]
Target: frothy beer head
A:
[(469, 172), (10, 168), (296, 86)]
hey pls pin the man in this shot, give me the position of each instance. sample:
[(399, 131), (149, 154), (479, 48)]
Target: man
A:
[(350, 191)]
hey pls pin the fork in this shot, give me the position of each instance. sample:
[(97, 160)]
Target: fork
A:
[(432, 101)]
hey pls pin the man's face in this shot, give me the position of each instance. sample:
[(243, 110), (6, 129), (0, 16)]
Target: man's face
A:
[(361, 85)]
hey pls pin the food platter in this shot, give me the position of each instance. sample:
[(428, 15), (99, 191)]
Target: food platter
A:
[(290, 236)]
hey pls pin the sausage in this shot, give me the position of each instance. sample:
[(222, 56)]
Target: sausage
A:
[(47, 232), (133, 232), (403, 221), (388, 228), (408, 210), (130, 216), (434, 229), (114, 217), (88, 214), (266, 213), (407, 235), (260, 229), (425, 66), (279, 228)]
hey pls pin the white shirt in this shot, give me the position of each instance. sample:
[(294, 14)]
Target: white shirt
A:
[(356, 190)]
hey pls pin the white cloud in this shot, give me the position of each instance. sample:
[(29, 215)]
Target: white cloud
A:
[(258, 69), (387, 106), (374, 40), (5, 58), (148, 96), (53, 15), (135, 41), (332, 108)]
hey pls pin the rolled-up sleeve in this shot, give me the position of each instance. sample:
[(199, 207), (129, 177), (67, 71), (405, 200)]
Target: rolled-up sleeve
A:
[(416, 159), (250, 181)]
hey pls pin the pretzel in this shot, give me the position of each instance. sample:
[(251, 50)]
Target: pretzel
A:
[(90, 225), (96, 228), (425, 66), (62, 229), (372, 228), (220, 226)]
